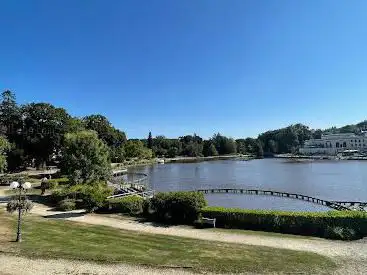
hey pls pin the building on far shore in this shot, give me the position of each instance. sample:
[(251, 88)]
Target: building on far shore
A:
[(333, 144)]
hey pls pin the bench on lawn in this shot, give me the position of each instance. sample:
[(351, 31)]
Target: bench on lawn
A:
[(209, 221)]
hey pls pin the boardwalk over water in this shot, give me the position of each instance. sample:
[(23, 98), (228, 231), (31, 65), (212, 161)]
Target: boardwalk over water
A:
[(135, 186), (338, 205)]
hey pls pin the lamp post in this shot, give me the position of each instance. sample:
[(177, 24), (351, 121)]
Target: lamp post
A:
[(21, 203)]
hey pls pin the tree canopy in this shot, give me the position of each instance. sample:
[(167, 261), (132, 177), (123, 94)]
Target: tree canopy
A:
[(85, 157)]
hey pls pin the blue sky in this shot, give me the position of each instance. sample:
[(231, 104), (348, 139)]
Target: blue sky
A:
[(179, 67)]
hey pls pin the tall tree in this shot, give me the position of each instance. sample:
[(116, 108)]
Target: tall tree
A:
[(85, 158), (10, 117), (43, 130), (150, 140), (4, 147), (106, 132)]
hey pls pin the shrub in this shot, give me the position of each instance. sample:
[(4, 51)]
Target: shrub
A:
[(66, 205), (344, 225), (177, 207), (94, 196), (132, 205)]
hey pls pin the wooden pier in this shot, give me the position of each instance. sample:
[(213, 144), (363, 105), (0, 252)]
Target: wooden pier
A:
[(338, 205), (135, 187)]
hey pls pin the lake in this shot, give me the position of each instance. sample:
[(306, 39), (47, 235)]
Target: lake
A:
[(329, 180)]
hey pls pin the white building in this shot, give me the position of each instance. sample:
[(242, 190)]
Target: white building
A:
[(333, 144)]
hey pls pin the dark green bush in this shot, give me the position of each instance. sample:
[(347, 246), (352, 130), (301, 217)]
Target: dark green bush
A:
[(66, 205), (132, 205), (176, 207), (88, 196), (94, 196), (344, 225)]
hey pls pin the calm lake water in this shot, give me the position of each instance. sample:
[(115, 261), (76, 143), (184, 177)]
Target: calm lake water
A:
[(330, 180)]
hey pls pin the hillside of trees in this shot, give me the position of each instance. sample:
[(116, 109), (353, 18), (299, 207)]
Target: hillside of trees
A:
[(34, 135)]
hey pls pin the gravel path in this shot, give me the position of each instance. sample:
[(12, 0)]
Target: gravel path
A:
[(355, 249), (22, 266)]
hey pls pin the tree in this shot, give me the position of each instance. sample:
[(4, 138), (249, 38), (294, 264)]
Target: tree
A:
[(4, 147), (150, 140), (85, 158), (43, 131), (74, 124), (106, 132), (209, 149), (136, 149), (10, 116)]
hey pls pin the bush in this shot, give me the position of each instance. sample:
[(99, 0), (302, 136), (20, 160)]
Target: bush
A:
[(132, 205), (345, 225), (177, 207), (95, 196), (66, 205)]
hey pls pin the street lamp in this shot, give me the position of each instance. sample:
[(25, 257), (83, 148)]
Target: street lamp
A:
[(21, 204)]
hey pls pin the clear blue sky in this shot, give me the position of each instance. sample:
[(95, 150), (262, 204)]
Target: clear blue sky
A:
[(179, 67)]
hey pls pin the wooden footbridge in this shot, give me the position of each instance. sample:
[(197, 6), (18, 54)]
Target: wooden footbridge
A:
[(338, 205), (130, 184)]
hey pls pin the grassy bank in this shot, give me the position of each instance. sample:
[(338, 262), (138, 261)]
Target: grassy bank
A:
[(63, 239)]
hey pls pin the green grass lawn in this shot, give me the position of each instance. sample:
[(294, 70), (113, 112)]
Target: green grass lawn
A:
[(260, 233), (46, 238)]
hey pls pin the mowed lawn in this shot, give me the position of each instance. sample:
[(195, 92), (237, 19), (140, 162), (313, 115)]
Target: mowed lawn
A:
[(46, 238)]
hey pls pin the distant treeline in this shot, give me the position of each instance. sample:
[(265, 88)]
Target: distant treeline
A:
[(34, 134)]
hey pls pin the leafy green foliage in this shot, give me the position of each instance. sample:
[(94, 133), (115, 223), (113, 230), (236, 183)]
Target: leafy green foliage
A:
[(132, 205), (150, 141), (285, 140), (53, 183), (111, 136), (177, 207), (66, 205), (95, 196), (4, 147), (89, 196), (85, 158), (43, 130), (136, 149), (333, 224)]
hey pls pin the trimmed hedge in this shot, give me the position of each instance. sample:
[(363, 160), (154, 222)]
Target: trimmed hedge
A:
[(66, 205), (176, 207), (344, 225), (129, 205)]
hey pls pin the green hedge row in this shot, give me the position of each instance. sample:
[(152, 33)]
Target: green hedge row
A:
[(133, 205), (176, 207), (345, 225)]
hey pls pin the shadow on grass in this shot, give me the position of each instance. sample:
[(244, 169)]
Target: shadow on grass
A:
[(66, 215), (45, 199)]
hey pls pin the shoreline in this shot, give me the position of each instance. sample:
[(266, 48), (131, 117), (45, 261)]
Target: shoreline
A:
[(319, 157), (137, 163)]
